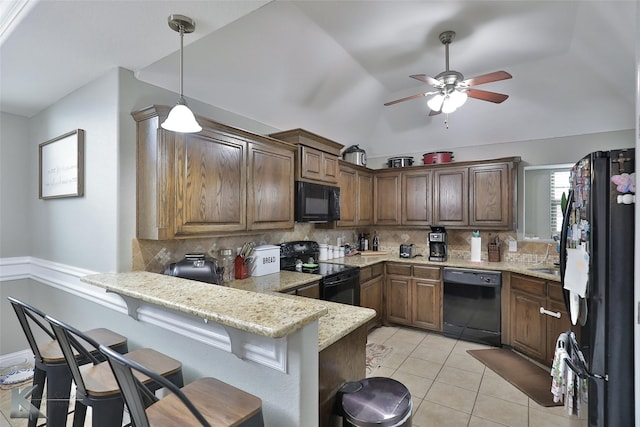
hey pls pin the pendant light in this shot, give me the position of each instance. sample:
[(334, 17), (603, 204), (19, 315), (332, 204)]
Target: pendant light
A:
[(180, 118)]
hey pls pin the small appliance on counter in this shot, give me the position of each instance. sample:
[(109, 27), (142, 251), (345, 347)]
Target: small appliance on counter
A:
[(355, 155), (437, 244), (407, 250), (197, 266)]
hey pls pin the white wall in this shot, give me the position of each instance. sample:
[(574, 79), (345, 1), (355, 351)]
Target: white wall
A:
[(79, 231), (15, 191)]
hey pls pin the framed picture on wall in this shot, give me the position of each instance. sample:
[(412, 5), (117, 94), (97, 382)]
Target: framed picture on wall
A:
[(62, 166)]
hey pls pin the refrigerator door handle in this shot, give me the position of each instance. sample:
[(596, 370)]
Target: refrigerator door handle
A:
[(563, 246)]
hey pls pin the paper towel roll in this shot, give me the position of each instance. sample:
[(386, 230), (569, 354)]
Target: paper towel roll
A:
[(476, 246)]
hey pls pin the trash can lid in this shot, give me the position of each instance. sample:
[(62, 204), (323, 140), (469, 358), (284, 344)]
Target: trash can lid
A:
[(377, 401)]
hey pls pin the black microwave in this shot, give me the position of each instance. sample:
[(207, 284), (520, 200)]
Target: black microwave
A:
[(316, 202)]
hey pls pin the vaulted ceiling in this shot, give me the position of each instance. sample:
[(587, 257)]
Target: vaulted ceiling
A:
[(329, 66)]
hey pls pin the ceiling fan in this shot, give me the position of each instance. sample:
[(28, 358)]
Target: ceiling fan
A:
[(452, 89)]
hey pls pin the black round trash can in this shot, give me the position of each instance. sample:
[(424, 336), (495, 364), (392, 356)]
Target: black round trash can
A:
[(377, 401)]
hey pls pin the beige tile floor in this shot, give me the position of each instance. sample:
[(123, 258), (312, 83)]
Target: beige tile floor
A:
[(448, 386), (451, 388)]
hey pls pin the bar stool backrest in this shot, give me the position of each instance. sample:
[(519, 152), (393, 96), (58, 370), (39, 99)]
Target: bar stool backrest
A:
[(135, 393), (68, 339), (28, 315)]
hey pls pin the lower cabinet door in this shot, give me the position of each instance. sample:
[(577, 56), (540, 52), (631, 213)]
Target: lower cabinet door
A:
[(397, 294), (371, 293), (528, 326), (426, 303)]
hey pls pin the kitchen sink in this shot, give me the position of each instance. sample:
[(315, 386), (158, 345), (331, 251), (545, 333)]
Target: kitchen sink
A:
[(546, 270)]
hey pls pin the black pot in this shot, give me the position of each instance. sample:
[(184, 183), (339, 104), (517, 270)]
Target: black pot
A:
[(400, 162)]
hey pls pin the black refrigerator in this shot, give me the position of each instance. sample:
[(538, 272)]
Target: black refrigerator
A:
[(597, 270)]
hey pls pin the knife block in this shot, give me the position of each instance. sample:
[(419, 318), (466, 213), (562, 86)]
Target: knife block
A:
[(494, 252)]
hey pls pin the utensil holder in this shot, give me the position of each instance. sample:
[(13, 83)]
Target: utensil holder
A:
[(494, 252)]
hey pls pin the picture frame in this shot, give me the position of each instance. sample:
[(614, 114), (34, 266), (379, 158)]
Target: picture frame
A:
[(61, 166)]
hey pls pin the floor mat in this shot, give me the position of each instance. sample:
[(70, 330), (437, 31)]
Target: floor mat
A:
[(528, 377)]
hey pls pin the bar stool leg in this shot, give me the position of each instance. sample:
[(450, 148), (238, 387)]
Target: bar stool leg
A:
[(58, 393), (39, 376)]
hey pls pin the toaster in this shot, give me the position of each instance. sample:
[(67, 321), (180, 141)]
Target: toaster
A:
[(406, 250)]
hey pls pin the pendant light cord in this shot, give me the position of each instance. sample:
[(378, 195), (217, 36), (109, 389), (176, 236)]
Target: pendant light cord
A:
[(181, 62)]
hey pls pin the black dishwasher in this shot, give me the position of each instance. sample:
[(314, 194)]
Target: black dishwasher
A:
[(472, 305)]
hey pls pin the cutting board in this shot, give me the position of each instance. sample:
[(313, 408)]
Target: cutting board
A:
[(365, 253)]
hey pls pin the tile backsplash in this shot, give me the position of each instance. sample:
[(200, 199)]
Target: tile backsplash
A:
[(155, 256)]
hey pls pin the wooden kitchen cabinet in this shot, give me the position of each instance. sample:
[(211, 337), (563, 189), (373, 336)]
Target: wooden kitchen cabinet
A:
[(270, 199), (465, 195), (387, 194), (413, 295), (317, 158), (372, 291), (490, 196), (417, 197), (403, 197), (426, 297), (219, 181), (532, 332), (356, 195), (451, 197)]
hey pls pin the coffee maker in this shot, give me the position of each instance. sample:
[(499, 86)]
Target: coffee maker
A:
[(437, 244)]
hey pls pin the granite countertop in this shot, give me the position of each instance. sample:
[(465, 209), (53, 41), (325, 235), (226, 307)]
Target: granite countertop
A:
[(265, 314), (366, 260)]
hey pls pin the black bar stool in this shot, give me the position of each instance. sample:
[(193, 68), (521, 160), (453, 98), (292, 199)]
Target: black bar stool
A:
[(50, 364), (210, 402), (96, 386)]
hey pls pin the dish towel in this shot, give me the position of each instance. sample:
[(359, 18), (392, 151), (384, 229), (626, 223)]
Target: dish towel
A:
[(559, 369)]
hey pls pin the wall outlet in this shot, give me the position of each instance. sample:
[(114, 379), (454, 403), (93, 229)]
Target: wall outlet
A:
[(513, 246)]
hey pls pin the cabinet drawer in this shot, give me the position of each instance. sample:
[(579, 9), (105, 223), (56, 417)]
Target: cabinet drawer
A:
[(554, 292), (400, 269), (365, 274), (528, 284), (425, 272), (377, 269)]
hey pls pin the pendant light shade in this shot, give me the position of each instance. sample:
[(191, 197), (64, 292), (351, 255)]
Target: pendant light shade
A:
[(180, 118)]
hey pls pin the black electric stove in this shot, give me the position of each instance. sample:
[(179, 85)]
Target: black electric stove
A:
[(339, 283)]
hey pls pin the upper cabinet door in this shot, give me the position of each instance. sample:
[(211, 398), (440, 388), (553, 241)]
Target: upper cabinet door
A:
[(416, 197), (364, 198), (270, 187), (318, 166), (490, 201), (451, 197), (387, 198), (210, 183), (347, 181)]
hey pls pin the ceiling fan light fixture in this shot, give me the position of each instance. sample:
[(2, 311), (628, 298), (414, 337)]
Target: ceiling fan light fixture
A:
[(458, 98), (448, 106), (435, 103), (181, 118)]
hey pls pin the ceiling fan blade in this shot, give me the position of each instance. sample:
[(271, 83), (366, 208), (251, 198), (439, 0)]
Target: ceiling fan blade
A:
[(419, 95), (427, 79), (485, 78), (434, 113), (487, 96)]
